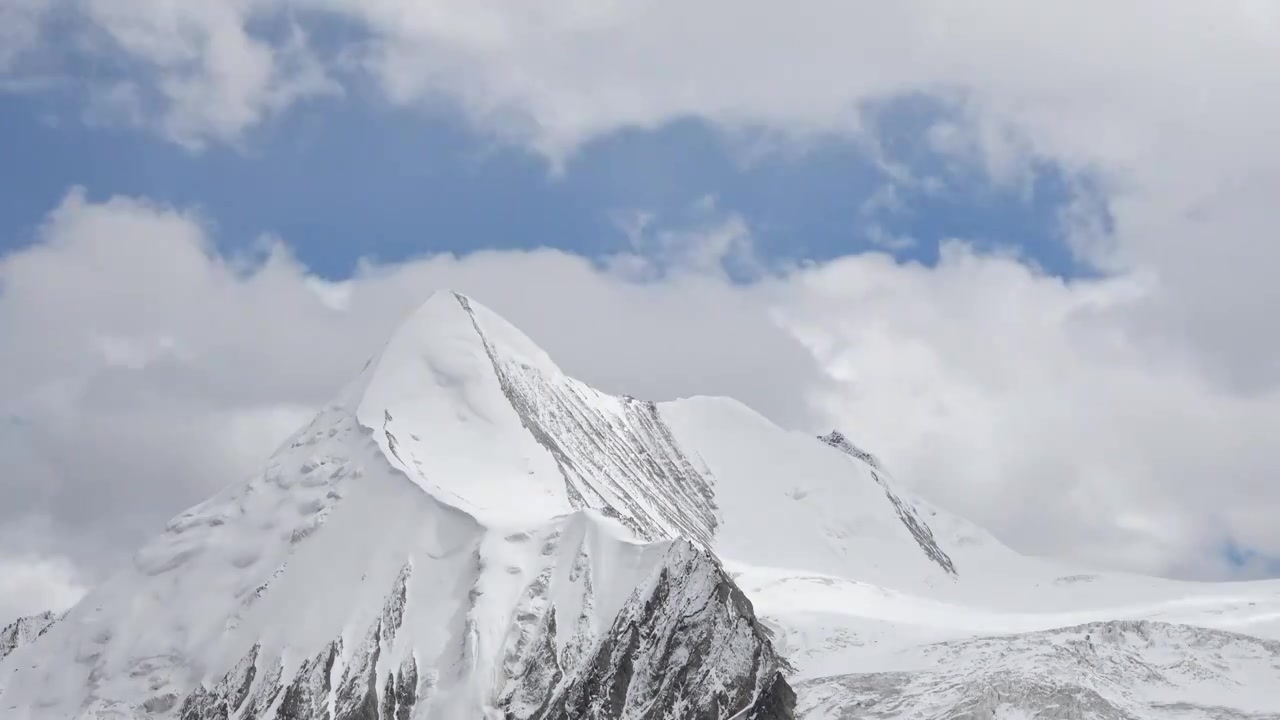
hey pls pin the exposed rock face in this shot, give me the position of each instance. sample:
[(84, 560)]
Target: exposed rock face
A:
[(776, 702), (616, 454), (307, 697), (357, 694), (467, 533), (264, 695), (837, 440), (916, 525), (400, 693), (1101, 671), (226, 697), (24, 630), (688, 646)]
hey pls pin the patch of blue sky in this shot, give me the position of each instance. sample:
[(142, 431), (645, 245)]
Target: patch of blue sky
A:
[(344, 178), (1240, 557)]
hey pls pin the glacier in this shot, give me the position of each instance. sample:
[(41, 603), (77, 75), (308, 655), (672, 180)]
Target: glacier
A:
[(467, 532)]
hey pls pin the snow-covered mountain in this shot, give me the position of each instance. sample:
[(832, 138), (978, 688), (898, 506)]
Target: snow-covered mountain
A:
[(466, 532), (24, 631)]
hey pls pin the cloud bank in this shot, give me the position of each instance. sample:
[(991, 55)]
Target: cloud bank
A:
[(142, 371), (1162, 115)]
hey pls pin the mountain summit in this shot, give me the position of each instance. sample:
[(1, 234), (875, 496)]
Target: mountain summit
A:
[(466, 532), (480, 417)]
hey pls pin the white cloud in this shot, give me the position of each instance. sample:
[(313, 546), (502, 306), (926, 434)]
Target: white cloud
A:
[(708, 242), (1033, 405), (1168, 110), (141, 372), (20, 25), (33, 585), (878, 236), (212, 78)]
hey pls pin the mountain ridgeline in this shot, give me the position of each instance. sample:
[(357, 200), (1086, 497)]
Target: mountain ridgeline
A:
[(467, 532)]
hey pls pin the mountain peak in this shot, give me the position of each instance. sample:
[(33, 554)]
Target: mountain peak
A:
[(480, 417), (447, 323), (476, 534), (435, 401)]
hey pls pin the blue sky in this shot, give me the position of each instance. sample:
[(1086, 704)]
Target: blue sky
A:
[(340, 179)]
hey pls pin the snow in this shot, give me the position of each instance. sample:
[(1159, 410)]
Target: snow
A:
[(466, 518), (1117, 669), (811, 535), (467, 406), (440, 416), (787, 500), (228, 575), (24, 631)]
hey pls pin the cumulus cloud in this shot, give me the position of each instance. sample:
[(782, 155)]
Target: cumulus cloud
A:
[(1168, 110), (1037, 407), (33, 585), (141, 371), (1163, 114)]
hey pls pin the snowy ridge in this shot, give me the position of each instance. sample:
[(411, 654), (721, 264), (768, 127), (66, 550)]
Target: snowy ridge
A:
[(788, 501), (469, 533), (274, 601), (482, 418), (414, 552), (837, 440), (908, 514), (615, 454), (24, 631)]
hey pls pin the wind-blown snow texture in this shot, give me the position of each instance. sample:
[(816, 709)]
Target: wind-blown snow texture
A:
[(1105, 670), (468, 533)]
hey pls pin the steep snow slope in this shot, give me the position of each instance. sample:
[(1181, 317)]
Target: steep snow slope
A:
[(469, 533), (887, 607), (830, 511), (478, 415), (427, 548), (789, 501)]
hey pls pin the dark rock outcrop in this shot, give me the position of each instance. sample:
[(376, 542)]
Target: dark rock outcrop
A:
[(909, 516), (918, 528), (837, 440), (307, 698), (24, 630), (776, 702), (226, 697), (687, 645)]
